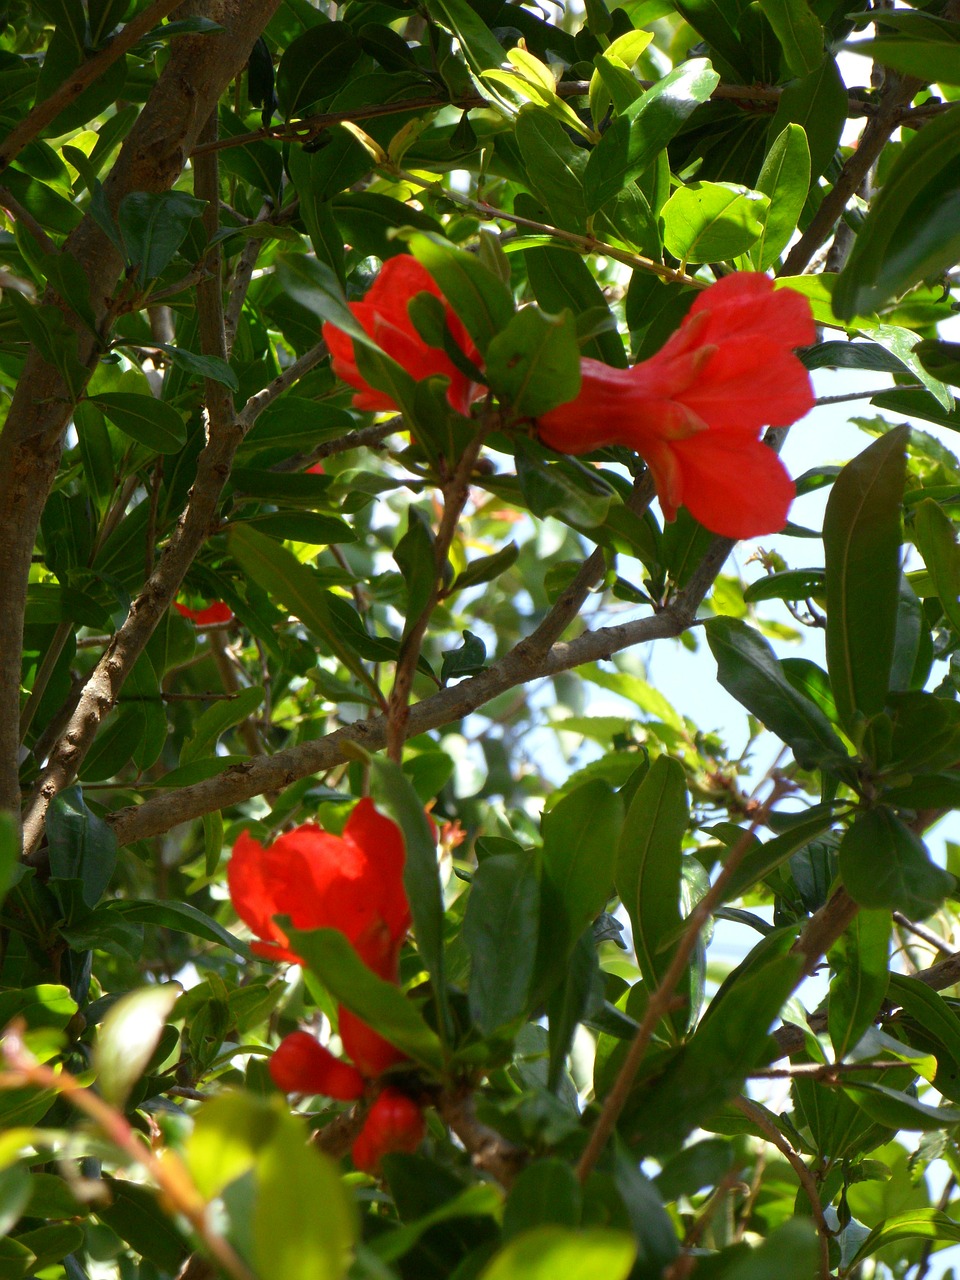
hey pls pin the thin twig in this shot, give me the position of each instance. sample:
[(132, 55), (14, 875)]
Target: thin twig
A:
[(687, 1261), (168, 1172), (242, 275), (867, 395), (257, 403), (50, 107), (455, 493), (757, 1116), (921, 931), (661, 1000), (362, 438)]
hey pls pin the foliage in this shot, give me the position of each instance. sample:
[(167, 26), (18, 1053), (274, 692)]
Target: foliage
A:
[(417, 599)]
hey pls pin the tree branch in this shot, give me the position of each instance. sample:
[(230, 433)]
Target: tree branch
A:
[(895, 93), (48, 110), (150, 160)]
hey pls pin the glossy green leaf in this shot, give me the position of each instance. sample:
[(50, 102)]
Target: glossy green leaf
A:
[(211, 367), (861, 539), (467, 660), (785, 179), (130, 1033), (149, 421), (216, 720), (748, 669), (304, 1223), (328, 954), (648, 866), (534, 363), (153, 226), (500, 930), (799, 33), (861, 976), (937, 543), (550, 1251), (580, 835), (546, 1192), (884, 865), (919, 44), (81, 845), (559, 279), (476, 295), (915, 1224), (712, 221), (818, 103), (421, 874), (900, 1110), (314, 65), (182, 917), (279, 572), (555, 165), (635, 138), (912, 230), (479, 46), (416, 559)]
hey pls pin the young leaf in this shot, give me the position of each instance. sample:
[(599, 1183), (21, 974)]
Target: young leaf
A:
[(500, 931), (785, 178), (861, 539)]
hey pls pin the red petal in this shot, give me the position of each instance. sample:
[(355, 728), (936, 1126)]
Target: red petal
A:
[(737, 488), (369, 1051), (301, 1065), (394, 1123), (381, 841), (216, 612)]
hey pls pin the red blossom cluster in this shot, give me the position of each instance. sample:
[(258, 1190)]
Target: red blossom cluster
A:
[(694, 411), (352, 883), (218, 611)]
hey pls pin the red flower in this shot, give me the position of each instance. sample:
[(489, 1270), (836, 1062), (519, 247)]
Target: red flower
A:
[(316, 470), (216, 612), (394, 1123), (301, 1064), (384, 315), (694, 411), (353, 883)]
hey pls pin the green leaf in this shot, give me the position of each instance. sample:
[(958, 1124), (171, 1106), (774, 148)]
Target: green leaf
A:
[(648, 866), (480, 1200), (534, 363), (315, 65), (912, 229), (500, 932), (280, 573), (818, 103), (468, 660), (712, 221), (149, 421), (394, 792), (915, 1224), (546, 1192), (9, 853), (554, 165), (328, 954), (153, 226), (799, 33), (478, 297), (211, 367), (749, 670), (211, 724), (477, 43), (785, 178), (790, 584), (227, 1133), (548, 1252), (922, 45), (899, 1110), (416, 559), (635, 138), (81, 845), (884, 865), (486, 568), (304, 1222), (130, 1033), (860, 961), (179, 916), (861, 539), (580, 835), (937, 542), (14, 1197), (790, 1253), (562, 489), (926, 732), (560, 278)]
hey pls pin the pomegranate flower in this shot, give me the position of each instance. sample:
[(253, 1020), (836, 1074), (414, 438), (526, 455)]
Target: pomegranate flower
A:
[(216, 612), (353, 883), (385, 316), (695, 410)]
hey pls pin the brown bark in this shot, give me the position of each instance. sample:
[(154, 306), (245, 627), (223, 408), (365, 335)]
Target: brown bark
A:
[(150, 160)]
